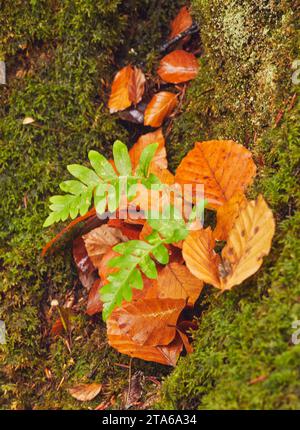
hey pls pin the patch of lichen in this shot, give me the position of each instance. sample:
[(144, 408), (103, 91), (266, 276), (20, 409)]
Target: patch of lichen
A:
[(60, 59), (244, 357)]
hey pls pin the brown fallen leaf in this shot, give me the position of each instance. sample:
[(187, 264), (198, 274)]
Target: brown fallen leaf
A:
[(100, 240), (136, 86), (178, 66), (227, 214), (127, 88), (248, 242), (28, 120), (175, 281), (149, 321), (185, 340), (94, 304), (161, 106), (260, 378), (160, 157), (131, 231), (222, 166), (159, 354), (85, 392), (181, 22)]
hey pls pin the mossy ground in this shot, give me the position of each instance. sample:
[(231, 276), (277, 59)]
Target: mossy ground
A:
[(60, 58)]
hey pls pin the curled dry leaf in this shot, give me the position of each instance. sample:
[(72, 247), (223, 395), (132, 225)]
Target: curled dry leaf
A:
[(85, 392), (127, 88), (150, 321), (227, 214), (160, 156), (94, 304), (175, 281), (100, 240), (181, 22), (222, 166), (160, 354), (161, 106), (248, 242), (178, 66)]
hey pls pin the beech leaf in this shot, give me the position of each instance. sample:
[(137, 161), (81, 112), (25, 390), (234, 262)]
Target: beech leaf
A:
[(127, 88), (150, 321), (175, 281), (178, 66), (85, 392), (181, 22), (248, 242), (161, 106), (100, 240), (224, 168)]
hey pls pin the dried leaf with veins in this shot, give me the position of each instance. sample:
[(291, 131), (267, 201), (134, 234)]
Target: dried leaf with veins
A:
[(178, 66), (94, 304), (100, 240), (248, 242), (160, 107), (127, 88), (227, 214), (224, 168), (160, 156), (85, 392), (181, 22), (150, 321), (175, 281), (200, 257), (86, 270), (160, 354)]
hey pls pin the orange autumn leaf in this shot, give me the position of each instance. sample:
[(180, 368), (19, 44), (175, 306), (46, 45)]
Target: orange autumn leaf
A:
[(150, 321), (100, 240), (178, 66), (127, 88), (161, 106), (227, 214), (85, 392), (160, 156), (224, 168), (181, 22), (248, 242), (167, 355), (176, 281)]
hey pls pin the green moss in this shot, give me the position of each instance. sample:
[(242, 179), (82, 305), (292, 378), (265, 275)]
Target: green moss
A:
[(60, 57), (246, 333)]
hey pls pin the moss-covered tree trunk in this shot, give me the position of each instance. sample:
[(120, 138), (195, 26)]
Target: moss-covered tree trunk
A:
[(60, 57)]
